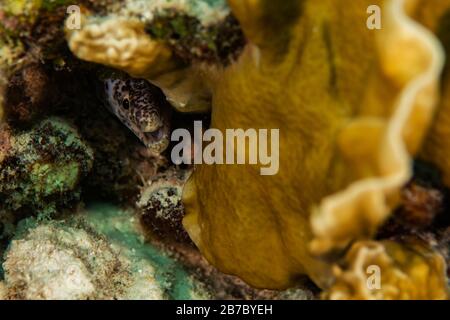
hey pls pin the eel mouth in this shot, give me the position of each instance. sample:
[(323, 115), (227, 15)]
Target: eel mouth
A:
[(151, 126), (157, 140), (155, 135)]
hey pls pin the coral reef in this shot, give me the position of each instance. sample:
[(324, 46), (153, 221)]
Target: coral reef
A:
[(161, 205), (42, 168), (60, 262), (123, 230), (124, 44), (33, 29), (120, 162), (91, 206), (25, 105), (97, 256), (192, 41)]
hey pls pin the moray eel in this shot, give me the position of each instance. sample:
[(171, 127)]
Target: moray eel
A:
[(142, 107)]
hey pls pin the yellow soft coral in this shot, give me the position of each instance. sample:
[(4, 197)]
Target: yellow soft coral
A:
[(396, 112), (407, 271), (350, 104), (437, 146)]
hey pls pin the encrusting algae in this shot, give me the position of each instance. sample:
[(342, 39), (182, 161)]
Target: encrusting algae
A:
[(355, 107)]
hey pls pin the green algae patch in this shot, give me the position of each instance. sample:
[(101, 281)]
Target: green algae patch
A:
[(121, 228), (48, 180)]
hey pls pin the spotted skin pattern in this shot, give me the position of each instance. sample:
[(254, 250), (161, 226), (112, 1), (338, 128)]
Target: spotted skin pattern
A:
[(142, 108)]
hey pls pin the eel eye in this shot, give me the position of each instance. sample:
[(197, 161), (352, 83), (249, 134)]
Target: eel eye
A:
[(126, 104)]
